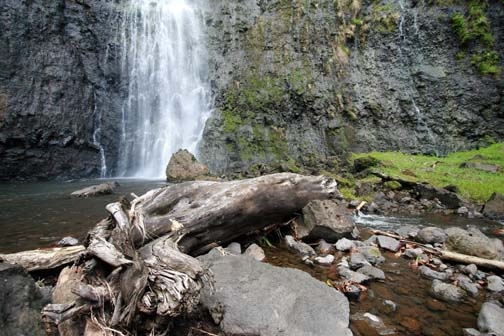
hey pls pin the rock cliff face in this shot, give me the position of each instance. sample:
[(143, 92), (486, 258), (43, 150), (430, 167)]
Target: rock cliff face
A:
[(59, 85), (295, 83), (305, 81)]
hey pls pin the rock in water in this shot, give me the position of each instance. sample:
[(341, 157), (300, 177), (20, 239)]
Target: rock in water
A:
[(20, 304), (183, 166), (490, 318), (494, 207), (96, 190), (326, 219), (254, 298)]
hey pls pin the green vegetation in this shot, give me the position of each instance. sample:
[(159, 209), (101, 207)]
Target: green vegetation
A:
[(474, 32), (473, 184)]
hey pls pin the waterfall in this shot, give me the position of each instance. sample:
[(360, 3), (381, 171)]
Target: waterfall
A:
[(421, 123), (167, 100), (97, 125)]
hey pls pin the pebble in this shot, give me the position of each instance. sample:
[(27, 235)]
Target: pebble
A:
[(299, 247), (466, 284), (68, 241), (344, 244), (325, 260), (234, 248), (470, 269), (372, 272), (426, 272), (324, 247), (256, 252), (391, 305)]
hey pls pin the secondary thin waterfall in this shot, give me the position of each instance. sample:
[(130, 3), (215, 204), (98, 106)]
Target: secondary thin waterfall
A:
[(167, 102)]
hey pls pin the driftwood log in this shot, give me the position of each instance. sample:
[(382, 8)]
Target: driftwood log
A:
[(136, 264)]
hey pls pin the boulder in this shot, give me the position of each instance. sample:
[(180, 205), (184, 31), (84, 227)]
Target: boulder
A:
[(254, 298), (490, 318), (20, 303), (494, 207), (428, 273), (448, 198), (470, 242), (480, 166), (326, 219), (183, 166), (344, 244), (495, 283), (431, 235), (372, 272), (365, 162), (96, 190)]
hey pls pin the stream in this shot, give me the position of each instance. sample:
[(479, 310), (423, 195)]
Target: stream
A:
[(37, 215)]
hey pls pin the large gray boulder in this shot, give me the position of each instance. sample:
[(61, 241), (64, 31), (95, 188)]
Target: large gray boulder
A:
[(254, 298), (183, 166), (20, 303), (494, 207), (448, 198), (328, 220), (96, 190), (472, 242), (490, 318)]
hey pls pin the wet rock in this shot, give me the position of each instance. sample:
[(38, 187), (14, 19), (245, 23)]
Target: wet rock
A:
[(388, 243), (466, 284), (20, 304), (324, 247), (346, 273), (299, 247), (471, 242), (494, 207), (344, 244), (431, 235), (446, 292), (68, 241), (326, 260), (428, 273), (435, 305), (480, 166), (390, 305), (254, 298), (372, 254), (449, 199), (495, 283), (234, 248), (357, 260), (372, 272), (369, 324), (328, 220), (256, 252), (411, 324), (183, 166), (470, 332), (96, 190), (490, 318), (462, 211)]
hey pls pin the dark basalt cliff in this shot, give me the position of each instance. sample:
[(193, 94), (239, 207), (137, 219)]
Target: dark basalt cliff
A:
[(295, 83), (59, 84), (301, 82)]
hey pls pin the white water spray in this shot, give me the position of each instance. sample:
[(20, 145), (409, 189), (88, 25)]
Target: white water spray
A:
[(167, 103)]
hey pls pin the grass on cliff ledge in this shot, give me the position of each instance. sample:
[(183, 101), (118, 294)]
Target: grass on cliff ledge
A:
[(473, 184)]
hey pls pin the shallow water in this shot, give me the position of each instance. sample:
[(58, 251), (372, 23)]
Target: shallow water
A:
[(417, 312), (34, 215)]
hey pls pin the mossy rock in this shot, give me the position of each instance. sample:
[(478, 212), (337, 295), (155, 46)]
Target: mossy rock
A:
[(365, 162), (393, 185)]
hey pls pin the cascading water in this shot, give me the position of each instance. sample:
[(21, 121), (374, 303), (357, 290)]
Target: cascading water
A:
[(167, 103), (422, 125)]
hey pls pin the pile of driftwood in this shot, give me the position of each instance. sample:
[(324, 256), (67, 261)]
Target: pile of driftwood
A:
[(134, 272)]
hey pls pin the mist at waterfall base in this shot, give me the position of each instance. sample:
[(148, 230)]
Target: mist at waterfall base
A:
[(167, 96)]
